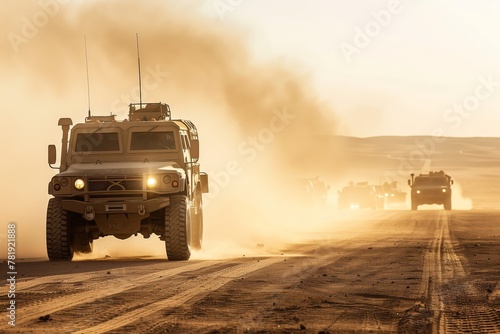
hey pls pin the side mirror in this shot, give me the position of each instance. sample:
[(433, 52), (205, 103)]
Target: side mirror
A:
[(451, 181), (52, 155), (409, 183), (195, 150), (204, 182)]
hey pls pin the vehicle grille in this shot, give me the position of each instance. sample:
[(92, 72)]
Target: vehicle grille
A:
[(438, 193), (115, 183)]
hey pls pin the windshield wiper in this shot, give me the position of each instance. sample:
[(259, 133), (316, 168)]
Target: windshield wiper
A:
[(154, 127), (91, 134)]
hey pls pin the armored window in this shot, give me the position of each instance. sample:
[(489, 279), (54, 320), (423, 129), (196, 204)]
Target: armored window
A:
[(440, 181), (431, 181), (97, 142), (152, 141), (188, 144), (185, 142)]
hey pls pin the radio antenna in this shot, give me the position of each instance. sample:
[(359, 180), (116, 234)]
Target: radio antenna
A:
[(139, 66), (87, 66)]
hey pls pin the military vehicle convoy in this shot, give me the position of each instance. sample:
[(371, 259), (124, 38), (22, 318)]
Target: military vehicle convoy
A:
[(122, 178), (432, 188)]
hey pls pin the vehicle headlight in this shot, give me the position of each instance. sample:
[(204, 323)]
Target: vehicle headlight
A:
[(79, 184), (444, 190), (418, 191), (151, 182)]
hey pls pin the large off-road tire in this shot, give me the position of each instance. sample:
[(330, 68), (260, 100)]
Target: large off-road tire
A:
[(57, 234), (178, 229), (197, 221), (414, 205), (447, 204)]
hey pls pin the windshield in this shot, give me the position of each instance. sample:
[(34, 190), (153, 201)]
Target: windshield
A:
[(97, 142), (152, 141), (431, 181)]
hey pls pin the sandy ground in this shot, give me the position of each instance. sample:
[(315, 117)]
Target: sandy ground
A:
[(405, 272), (390, 271)]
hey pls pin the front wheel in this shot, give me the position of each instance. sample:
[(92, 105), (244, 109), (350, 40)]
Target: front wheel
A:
[(178, 229), (58, 237), (414, 206)]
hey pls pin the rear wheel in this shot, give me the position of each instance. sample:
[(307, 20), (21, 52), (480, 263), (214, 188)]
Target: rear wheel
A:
[(177, 229), (57, 235), (414, 205)]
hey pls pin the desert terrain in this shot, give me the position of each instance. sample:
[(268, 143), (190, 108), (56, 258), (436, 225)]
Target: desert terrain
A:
[(280, 91), (321, 270)]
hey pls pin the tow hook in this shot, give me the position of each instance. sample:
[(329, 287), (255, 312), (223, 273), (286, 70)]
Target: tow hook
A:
[(141, 210), (89, 213)]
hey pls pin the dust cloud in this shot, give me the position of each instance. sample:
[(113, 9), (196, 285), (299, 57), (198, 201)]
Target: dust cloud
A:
[(263, 130), (257, 121)]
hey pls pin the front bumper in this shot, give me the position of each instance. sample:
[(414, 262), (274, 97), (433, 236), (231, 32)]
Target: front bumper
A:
[(120, 218), (431, 197), (140, 207)]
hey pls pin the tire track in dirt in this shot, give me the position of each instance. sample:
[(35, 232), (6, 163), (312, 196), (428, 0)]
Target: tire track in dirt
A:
[(448, 292), (106, 289), (434, 265), (191, 292), (66, 278), (50, 293)]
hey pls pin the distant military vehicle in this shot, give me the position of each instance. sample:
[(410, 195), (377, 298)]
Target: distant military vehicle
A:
[(361, 195), (393, 194), (122, 178), (317, 191), (432, 188)]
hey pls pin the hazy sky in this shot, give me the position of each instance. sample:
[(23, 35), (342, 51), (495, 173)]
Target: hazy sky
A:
[(387, 67)]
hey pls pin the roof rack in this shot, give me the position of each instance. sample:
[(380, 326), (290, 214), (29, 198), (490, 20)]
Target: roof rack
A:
[(150, 112), (100, 119)]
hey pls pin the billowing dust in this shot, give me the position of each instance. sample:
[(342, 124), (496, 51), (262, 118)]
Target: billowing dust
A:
[(256, 120), (261, 126)]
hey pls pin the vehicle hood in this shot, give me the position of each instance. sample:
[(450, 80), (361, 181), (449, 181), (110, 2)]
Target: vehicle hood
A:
[(121, 168)]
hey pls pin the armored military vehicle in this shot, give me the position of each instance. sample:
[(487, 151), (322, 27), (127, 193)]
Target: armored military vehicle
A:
[(432, 188), (311, 191), (361, 195), (122, 178), (393, 194)]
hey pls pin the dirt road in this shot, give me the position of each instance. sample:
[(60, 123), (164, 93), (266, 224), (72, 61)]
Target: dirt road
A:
[(399, 272)]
